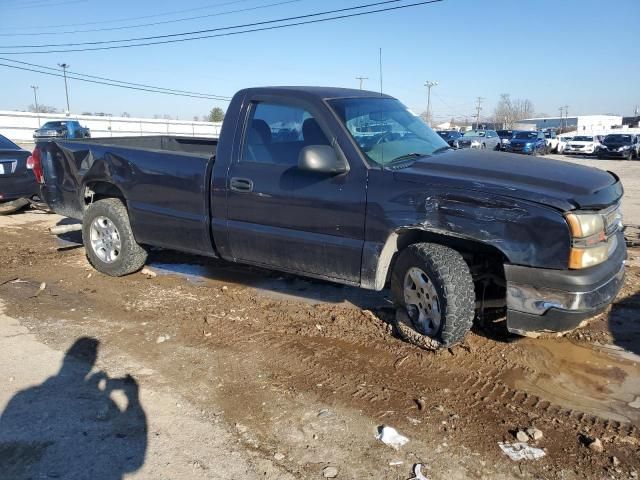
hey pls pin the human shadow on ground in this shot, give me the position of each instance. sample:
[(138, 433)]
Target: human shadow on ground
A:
[(78, 424)]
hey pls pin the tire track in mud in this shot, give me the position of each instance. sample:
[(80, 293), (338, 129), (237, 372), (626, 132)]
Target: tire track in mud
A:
[(337, 370)]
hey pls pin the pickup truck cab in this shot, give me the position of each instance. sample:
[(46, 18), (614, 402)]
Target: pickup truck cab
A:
[(61, 129), (295, 183)]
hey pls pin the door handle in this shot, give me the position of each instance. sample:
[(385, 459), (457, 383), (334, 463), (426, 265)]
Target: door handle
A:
[(243, 185)]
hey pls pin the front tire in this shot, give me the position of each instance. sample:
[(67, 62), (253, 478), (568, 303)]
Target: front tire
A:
[(108, 239), (432, 286)]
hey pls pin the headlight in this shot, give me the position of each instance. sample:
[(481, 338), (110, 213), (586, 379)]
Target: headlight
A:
[(588, 257), (456, 144), (585, 225), (624, 147), (589, 244)]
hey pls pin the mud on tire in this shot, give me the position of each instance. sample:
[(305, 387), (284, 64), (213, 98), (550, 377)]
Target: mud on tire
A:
[(131, 256), (453, 283)]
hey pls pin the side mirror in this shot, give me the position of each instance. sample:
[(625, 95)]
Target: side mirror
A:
[(321, 158)]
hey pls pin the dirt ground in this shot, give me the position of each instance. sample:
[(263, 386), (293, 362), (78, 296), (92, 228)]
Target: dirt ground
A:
[(217, 371)]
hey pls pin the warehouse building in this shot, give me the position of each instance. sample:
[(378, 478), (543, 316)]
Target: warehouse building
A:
[(581, 123)]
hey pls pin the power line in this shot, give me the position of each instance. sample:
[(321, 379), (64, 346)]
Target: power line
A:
[(338, 17), (120, 20), (41, 5), (199, 17), (198, 32), (220, 97), (113, 84)]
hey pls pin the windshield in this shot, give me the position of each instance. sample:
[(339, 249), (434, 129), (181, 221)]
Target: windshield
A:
[(617, 138), (386, 131), (54, 124), (445, 134), (582, 138), (526, 135), (505, 133), (474, 133)]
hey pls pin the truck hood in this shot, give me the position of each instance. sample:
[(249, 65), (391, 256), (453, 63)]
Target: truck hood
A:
[(561, 185)]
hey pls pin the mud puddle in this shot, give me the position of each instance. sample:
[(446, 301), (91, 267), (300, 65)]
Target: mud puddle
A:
[(601, 380), (268, 284)]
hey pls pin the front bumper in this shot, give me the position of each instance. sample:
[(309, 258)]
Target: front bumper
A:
[(568, 151), (543, 300), (614, 154)]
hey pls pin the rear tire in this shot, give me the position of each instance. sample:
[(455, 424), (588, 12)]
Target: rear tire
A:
[(108, 239), (436, 322)]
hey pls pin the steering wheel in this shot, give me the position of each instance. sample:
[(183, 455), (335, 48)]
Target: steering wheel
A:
[(385, 135)]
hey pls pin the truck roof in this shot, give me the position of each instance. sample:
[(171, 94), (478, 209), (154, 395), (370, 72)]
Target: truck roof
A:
[(315, 92)]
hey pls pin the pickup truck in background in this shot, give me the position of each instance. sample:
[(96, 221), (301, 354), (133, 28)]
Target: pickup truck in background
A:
[(61, 129), (293, 184)]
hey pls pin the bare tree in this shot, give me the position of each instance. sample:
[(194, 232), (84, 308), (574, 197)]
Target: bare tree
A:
[(125, 115), (42, 109), (508, 112)]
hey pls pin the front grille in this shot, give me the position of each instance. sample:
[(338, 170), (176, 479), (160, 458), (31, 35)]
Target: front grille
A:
[(612, 219)]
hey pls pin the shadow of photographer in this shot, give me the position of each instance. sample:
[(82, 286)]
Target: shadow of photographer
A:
[(76, 425)]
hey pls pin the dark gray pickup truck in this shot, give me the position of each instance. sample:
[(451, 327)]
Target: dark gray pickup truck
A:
[(351, 186)]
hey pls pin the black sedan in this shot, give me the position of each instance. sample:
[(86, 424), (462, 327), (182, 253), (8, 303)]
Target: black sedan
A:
[(620, 145), (451, 137), (17, 183)]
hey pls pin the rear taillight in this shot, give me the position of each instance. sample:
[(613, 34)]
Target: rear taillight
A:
[(34, 162)]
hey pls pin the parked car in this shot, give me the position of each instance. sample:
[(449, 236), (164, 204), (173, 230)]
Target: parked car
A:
[(451, 137), (531, 143), (582, 144), (552, 140), (480, 139), (562, 143), (62, 129), (17, 183), (505, 136), (620, 145), (449, 230)]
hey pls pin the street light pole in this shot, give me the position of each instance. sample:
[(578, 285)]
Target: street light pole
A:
[(64, 67), (429, 84), (35, 98)]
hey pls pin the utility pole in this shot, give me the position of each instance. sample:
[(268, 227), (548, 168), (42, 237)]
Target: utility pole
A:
[(429, 84), (561, 110), (64, 67), (35, 98), (566, 117), (478, 108), (362, 79)]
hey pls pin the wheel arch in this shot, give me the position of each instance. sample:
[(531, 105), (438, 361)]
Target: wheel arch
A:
[(400, 239), (99, 189)]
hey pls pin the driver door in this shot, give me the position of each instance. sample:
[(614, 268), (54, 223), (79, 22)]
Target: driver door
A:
[(286, 218)]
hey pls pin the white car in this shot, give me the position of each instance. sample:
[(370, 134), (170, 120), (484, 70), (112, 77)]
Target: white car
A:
[(562, 143), (582, 145), (551, 140)]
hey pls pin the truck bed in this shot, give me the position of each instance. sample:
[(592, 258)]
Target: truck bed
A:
[(163, 180), (197, 145)]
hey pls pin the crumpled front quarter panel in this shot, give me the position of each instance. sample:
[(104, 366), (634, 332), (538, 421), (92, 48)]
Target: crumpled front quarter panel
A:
[(526, 233)]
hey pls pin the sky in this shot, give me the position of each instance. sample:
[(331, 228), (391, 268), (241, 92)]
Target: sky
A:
[(580, 53)]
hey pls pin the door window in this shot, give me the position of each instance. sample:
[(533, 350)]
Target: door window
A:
[(277, 133)]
